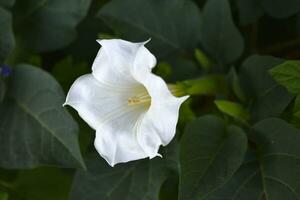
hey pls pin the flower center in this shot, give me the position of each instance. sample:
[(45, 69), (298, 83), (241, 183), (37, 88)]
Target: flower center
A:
[(144, 98), (139, 99)]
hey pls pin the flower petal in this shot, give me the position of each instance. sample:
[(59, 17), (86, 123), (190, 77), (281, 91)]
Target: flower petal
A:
[(114, 62), (159, 123), (116, 141), (95, 101), (105, 109), (158, 126)]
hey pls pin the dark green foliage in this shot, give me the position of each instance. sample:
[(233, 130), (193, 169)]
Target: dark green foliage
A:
[(210, 153), (266, 98), (138, 180), (249, 11), (272, 170), (49, 24), (162, 21), (220, 38), (35, 128), (7, 40)]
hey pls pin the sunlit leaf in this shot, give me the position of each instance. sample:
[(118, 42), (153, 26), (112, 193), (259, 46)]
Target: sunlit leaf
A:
[(288, 75), (233, 109)]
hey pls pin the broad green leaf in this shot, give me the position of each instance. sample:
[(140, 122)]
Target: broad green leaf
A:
[(266, 97), (210, 153), (138, 180), (272, 171), (42, 184), (34, 127), (281, 9), (169, 189), (249, 11), (219, 36), (7, 3), (233, 109), (3, 196), (173, 25), (48, 25), (287, 74), (7, 41)]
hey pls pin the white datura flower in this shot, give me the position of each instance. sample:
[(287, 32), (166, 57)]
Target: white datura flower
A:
[(131, 109)]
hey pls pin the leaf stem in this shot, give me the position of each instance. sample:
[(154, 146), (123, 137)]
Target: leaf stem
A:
[(208, 85)]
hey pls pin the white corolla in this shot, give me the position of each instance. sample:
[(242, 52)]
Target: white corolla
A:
[(131, 109)]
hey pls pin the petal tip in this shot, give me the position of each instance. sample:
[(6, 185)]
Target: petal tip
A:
[(147, 41), (184, 98)]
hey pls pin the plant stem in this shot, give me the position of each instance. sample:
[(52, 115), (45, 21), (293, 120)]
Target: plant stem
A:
[(208, 85)]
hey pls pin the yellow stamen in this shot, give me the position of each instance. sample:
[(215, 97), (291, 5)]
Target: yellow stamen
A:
[(145, 98), (139, 100)]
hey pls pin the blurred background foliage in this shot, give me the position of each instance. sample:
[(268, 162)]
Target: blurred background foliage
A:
[(239, 140)]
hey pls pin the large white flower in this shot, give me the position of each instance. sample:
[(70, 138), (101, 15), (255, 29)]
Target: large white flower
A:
[(131, 109)]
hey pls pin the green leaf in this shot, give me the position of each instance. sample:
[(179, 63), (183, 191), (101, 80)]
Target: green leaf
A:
[(281, 9), (48, 25), (3, 196), (249, 11), (266, 97), (233, 109), (272, 172), (138, 180), (235, 84), (296, 109), (7, 41), (210, 153), (206, 85), (219, 36), (34, 127), (172, 25), (7, 3), (169, 189), (42, 183), (2, 89), (203, 60), (287, 74)]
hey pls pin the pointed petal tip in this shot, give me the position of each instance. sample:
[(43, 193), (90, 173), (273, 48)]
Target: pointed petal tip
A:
[(184, 98), (155, 155), (99, 41), (111, 164), (147, 41)]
